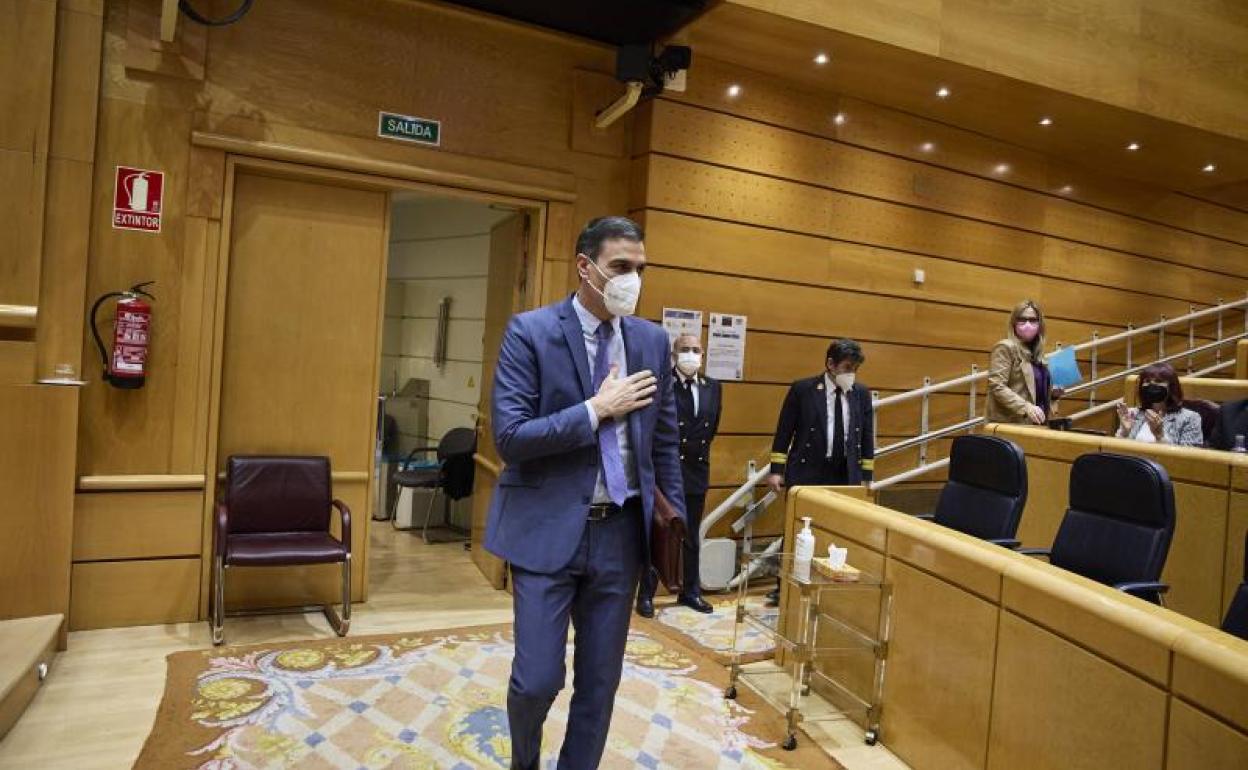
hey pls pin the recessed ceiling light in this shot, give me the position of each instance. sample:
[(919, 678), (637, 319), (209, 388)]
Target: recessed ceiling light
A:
[(942, 93), (821, 58), (1209, 168), (1046, 121), (1066, 189), (734, 91), (927, 147), (840, 118), (1133, 146), (1001, 169)]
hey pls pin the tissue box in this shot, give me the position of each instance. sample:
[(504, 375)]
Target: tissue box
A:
[(845, 574)]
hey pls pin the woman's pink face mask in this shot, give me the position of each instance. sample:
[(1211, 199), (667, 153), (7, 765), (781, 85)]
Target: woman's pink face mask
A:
[(1026, 329)]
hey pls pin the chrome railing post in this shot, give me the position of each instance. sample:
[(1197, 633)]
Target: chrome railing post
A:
[(923, 421), (875, 419), (1095, 356), (747, 536), (1217, 354), (970, 411), (1191, 338), (1130, 342), (1161, 339)]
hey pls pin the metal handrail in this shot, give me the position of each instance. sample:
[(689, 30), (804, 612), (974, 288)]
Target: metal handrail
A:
[(925, 436), (1094, 344)]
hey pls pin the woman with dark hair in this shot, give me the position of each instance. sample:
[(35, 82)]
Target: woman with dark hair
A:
[(1160, 416), (1019, 386)]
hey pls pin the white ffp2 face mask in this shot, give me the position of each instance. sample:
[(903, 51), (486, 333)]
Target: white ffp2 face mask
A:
[(621, 292), (688, 363), (845, 381)]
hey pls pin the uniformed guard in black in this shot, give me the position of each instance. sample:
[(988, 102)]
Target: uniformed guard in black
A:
[(697, 414), (811, 449)]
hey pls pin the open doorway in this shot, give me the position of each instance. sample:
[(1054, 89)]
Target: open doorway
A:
[(452, 271)]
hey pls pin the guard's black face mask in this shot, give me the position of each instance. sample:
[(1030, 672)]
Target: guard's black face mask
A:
[(1153, 393)]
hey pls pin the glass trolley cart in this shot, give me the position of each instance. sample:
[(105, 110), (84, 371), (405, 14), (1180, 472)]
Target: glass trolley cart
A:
[(835, 642)]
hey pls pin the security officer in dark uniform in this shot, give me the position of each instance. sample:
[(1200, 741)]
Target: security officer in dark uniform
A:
[(826, 431), (697, 414)]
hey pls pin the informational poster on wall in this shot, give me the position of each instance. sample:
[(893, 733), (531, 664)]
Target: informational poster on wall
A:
[(725, 347), (677, 321)]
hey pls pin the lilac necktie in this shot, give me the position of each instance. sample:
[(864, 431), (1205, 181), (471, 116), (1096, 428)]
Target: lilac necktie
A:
[(608, 441)]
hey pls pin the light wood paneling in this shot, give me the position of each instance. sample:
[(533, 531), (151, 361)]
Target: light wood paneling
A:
[(941, 660), (27, 49), (1196, 741), (23, 177), (137, 525), (1209, 672), (109, 594), (1069, 701), (37, 478), (1233, 572), (781, 101), (711, 137)]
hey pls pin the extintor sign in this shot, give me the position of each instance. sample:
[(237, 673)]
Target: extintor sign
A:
[(138, 196)]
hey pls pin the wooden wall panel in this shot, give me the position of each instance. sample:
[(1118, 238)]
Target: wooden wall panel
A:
[(940, 670), (137, 525), (787, 103), (37, 480), (746, 145), (109, 594), (1065, 696)]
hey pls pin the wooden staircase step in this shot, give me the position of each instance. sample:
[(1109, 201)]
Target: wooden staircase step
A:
[(26, 645)]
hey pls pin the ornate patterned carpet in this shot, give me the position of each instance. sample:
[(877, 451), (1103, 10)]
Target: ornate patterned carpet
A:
[(436, 701), (712, 634)]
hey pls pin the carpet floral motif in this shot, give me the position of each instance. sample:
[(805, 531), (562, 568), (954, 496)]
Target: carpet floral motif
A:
[(438, 702), (713, 631)]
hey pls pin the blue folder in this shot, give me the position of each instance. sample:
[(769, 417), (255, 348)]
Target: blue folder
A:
[(1064, 369)]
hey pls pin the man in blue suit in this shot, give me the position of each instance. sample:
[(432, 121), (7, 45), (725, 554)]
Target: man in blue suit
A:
[(584, 419)]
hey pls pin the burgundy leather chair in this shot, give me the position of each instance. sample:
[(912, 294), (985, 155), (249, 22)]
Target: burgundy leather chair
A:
[(275, 512)]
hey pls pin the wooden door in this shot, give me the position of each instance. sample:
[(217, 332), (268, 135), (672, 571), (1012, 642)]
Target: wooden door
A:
[(300, 350), (507, 290)]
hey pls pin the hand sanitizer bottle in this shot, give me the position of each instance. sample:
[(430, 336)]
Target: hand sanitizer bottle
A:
[(804, 551)]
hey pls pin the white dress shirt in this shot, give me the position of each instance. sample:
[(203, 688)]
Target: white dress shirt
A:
[(615, 355), (693, 388), (829, 389)]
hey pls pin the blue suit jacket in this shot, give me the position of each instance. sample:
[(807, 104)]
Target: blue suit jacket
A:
[(543, 435)]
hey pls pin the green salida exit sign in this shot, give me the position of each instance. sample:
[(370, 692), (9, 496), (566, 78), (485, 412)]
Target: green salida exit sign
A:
[(405, 128)]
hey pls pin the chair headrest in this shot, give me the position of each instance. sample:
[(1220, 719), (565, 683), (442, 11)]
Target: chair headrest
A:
[(275, 493), (1127, 488), (458, 441), (988, 462)]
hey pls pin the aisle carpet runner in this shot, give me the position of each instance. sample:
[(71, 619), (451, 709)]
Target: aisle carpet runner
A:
[(437, 701)]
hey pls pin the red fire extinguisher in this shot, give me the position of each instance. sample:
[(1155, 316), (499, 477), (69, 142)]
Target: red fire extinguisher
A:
[(132, 326)]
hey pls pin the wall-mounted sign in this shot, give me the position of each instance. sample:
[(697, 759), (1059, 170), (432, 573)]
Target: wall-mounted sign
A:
[(678, 321), (405, 128), (138, 195), (725, 347)]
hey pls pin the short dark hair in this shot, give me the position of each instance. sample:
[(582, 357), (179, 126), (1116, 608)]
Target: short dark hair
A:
[(1166, 374), (598, 231), (843, 349)]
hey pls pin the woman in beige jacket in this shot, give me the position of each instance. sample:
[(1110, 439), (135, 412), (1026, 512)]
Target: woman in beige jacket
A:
[(1019, 386)]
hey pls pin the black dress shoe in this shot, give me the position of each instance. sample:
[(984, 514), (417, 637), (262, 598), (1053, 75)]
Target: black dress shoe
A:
[(773, 598), (645, 607), (695, 603)]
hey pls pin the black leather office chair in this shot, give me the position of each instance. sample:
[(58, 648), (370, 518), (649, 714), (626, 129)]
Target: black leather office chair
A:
[(1119, 525), (1236, 620), (986, 491), (452, 477)]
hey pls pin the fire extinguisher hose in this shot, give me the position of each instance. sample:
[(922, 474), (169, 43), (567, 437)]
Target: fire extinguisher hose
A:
[(95, 330)]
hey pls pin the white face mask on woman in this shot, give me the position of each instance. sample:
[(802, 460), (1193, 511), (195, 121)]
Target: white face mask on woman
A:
[(621, 292)]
